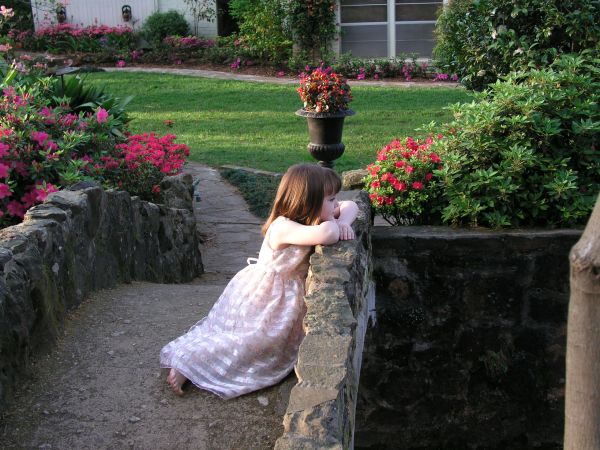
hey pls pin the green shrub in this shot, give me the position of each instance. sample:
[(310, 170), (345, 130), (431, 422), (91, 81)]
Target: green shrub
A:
[(80, 97), (159, 25), (313, 25), (525, 152), (481, 40), (263, 30)]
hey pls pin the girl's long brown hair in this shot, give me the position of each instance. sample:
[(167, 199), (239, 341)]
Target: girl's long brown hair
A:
[(301, 192)]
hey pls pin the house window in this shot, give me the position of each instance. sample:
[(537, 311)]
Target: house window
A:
[(386, 28)]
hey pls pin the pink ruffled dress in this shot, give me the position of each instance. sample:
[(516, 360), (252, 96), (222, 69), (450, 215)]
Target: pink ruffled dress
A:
[(250, 338)]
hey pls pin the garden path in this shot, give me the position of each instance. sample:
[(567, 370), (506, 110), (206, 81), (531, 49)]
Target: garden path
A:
[(278, 80), (101, 387)]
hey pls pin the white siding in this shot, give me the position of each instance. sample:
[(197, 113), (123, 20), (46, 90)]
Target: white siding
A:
[(108, 12)]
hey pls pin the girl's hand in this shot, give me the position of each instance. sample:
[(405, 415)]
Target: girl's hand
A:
[(346, 231)]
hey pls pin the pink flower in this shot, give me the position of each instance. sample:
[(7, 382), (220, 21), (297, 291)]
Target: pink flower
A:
[(51, 146), (3, 149), (376, 76), (6, 12), (417, 185), (360, 76), (15, 208), (408, 168), (429, 176), (45, 111), (42, 191), (21, 168), (178, 62), (29, 198), (101, 115), (39, 136), (5, 190), (121, 63), (235, 64), (5, 47), (4, 170), (281, 73)]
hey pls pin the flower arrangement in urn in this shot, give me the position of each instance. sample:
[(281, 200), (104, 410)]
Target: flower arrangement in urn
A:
[(326, 95), (324, 91)]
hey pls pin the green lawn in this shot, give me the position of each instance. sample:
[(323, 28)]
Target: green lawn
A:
[(253, 124)]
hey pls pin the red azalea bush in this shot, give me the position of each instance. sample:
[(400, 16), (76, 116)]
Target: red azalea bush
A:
[(140, 164), (324, 91), (402, 183)]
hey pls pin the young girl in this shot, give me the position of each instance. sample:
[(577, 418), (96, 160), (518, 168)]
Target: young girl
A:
[(250, 338)]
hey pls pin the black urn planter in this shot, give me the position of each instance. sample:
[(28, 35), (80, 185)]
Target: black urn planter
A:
[(325, 134)]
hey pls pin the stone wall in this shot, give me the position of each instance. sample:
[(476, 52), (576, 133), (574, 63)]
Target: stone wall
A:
[(320, 413), (469, 347), (80, 240)]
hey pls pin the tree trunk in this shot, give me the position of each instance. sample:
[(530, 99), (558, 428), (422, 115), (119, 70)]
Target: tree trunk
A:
[(582, 396)]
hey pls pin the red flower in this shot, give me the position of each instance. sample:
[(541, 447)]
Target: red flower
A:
[(417, 185)]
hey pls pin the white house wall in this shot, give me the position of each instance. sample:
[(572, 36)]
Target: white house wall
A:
[(108, 12), (205, 28)]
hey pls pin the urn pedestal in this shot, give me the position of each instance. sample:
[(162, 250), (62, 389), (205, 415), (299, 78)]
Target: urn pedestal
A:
[(325, 135)]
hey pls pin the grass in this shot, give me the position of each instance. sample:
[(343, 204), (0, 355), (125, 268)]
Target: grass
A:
[(253, 124), (258, 190)]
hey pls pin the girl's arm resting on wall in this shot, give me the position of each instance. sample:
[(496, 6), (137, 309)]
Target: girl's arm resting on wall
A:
[(346, 212), (345, 215), (290, 232)]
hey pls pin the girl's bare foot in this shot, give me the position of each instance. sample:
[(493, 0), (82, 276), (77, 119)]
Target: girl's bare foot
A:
[(176, 380)]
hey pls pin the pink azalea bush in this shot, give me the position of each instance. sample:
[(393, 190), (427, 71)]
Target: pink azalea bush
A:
[(402, 183), (69, 37), (44, 148), (188, 42)]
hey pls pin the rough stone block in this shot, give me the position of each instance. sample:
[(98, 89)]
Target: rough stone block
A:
[(301, 443), (353, 179), (319, 350)]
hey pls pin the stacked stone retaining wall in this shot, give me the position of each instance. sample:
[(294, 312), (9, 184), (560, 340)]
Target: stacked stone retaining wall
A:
[(469, 347), (81, 240), (321, 409)]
